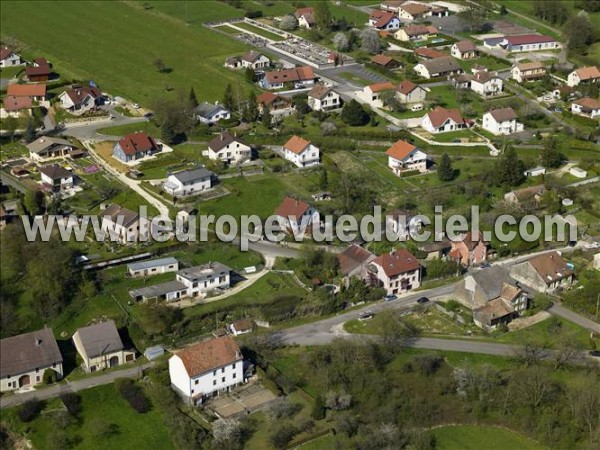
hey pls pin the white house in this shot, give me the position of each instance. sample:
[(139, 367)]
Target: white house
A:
[(528, 43), (440, 120), (293, 214), (254, 60), (403, 156), (125, 225), (584, 75), (530, 71), (207, 277), (415, 32), (80, 99), (8, 58), (438, 67), (228, 148), (323, 98), (412, 11), (486, 83), (384, 20), (586, 106), (501, 121), (209, 113), (305, 16), (241, 326), (56, 177), (544, 273), (301, 152), (135, 146), (152, 267), (24, 359), (464, 50), (398, 271), (372, 94), (409, 92), (535, 171), (202, 370), (188, 182)]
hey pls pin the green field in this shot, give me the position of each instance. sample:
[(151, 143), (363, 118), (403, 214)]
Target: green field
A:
[(472, 437), (259, 31), (117, 43)]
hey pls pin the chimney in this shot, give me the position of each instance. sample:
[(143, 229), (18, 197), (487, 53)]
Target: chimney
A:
[(222, 137)]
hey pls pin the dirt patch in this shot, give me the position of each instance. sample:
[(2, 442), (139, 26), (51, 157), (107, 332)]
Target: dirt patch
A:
[(243, 400), (524, 322)]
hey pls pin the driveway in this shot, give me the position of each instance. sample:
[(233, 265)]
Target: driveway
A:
[(558, 310)]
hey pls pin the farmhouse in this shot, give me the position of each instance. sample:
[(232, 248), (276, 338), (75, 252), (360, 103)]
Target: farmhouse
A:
[(464, 50), (584, 75), (202, 370), (126, 225), (372, 93), (26, 357), (586, 106), (528, 43), (440, 120), (228, 148), (438, 67), (209, 113), (152, 267), (544, 273), (9, 58), (35, 92), (100, 347), (45, 148), (354, 260), (486, 83), (501, 121), (469, 250), (416, 32), (301, 152), (384, 20), (403, 157), (409, 92), (277, 104), (294, 215), (241, 326), (135, 146), (298, 77), (80, 99), (254, 60), (323, 98), (397, 272), (56, 178), (385, 61), (40, 70), (529, 196), (188, 182), (528, 71), (306, 17), (412, 11)]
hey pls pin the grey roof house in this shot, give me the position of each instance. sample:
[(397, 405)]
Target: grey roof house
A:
[(210, 113), (189, 182), (152, 267)]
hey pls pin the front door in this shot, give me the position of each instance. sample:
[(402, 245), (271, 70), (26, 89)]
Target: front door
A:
[(25, 380), (113, 362)]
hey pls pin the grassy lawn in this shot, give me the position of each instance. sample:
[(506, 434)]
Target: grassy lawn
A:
[(11, 72), (101, 405), (227, 29), (122, 62), (12, 150), (259, 31), (460, 136), (122, 130), (473, 437)]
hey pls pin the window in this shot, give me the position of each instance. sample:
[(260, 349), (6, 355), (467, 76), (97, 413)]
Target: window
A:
[(214, 382), (234, 375), (196, 381), (214, 373), (223, 380), (233, 366), (223, 370)]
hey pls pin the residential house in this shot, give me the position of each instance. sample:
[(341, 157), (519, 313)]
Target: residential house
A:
[(464, 50), (80, 99), (211, 113), (100, 347), (486, 83), (470, 249), (40, 70), (528, 43), (529, 196), (35, 92), (384, 20), (372, 94), (462, 81), (56, 177), (296, 77), (16, 106), (584, 75), (412, 11), (438, 67), (233, 62), (400, 223), (501, 121), (125, 225), (354, 260), (391, 5), (409, 92), (9, 58), (535, 171), (24, 359), (135, 146), (241, 326), (586, 106), (323, 98), (45, 148), (416, 32), (404, 157), (152, 267), (544, 273), (254, 60), (530, 71), (170, 291), (440, 120), (306, 17), (228, 148), (436, 250), (295, 216), (189, 182), (429, 53), (301, 152), (397, 272), (276, 104), (207, 277), (385, 61)]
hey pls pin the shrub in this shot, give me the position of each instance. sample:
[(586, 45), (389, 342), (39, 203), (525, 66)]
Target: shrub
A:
[(72, 402), (318, 411), (283, 435), (50, 376), (282, 408), (134, 394), (30, 410), (253, 14)]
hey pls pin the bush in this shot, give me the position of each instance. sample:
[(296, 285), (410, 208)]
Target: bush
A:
[(253, 14), (30, 410), (282, 436), (134, 394), (50, 376), (72, 402), (318, 411)]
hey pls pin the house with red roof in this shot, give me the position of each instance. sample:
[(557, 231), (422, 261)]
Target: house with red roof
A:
[(384, 20), (277, 105), (441, 120), (397, 271), (135, 146), (80, 99), (409, 92), (385, 61), (294, 215), (404, 156), (40, 70), (469, 250), (207, 368), (301, 152), (35, 92), (584, 75), (372, 94), (9, 58), (354, 260), (586, 106), (306, 17), (297, 77), (544, 273)]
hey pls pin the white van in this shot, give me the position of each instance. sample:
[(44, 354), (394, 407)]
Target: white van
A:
[(417, 107)]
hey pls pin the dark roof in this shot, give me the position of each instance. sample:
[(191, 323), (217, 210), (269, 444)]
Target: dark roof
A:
[(114, 211), (222, 140), (27, 352), (204, 271), (353, 257), (465, 46), (441, 65), (185, 176), (303, 73), (491, 280), (55, 172), (209, 355), (79, 93), (5, 52), (100, 339), (137, 142), (502, 114), (529, 39), (207, 110), (243, 325), (251, 56), (550, 267)]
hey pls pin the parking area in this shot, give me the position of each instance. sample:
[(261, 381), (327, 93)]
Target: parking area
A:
[(243, 400)]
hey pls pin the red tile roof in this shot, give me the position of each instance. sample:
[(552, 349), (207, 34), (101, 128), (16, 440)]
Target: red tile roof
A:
[(209, 355), (42, 69), (502, 114), (137, 142), (303, 73), (397, 262), (26, 90), (266, 98), (588, 73), (12, 103), (551, 267), (406, 87), (588, 103), (79, 93), (400, 150), (378, 87), (382, 60), (438, 116), (465, 46), (525, 39), (5, 52), (353, 257), (429, 53), (291, 207), (382, 18), (296, 144)]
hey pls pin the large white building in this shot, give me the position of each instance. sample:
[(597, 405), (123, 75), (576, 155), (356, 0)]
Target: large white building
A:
[(202, 370), (584, 75), (403, 156), (229, 149), (188, 182), (398, 271), (501, 121), (301, 152), (293, 214)]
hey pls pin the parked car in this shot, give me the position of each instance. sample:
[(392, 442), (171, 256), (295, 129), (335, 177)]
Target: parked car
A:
[(366, 315), (422, 300), (485, 265), (595, 353), (390, 297)]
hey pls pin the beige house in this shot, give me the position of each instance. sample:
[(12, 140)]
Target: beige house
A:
[(528, 71), (544, 273), (397, 272), (100, 347), (403, 157)]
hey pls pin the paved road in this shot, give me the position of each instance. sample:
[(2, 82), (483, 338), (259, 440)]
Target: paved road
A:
[(88, 132), (73, 386), (571, 316), (584, 182)]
